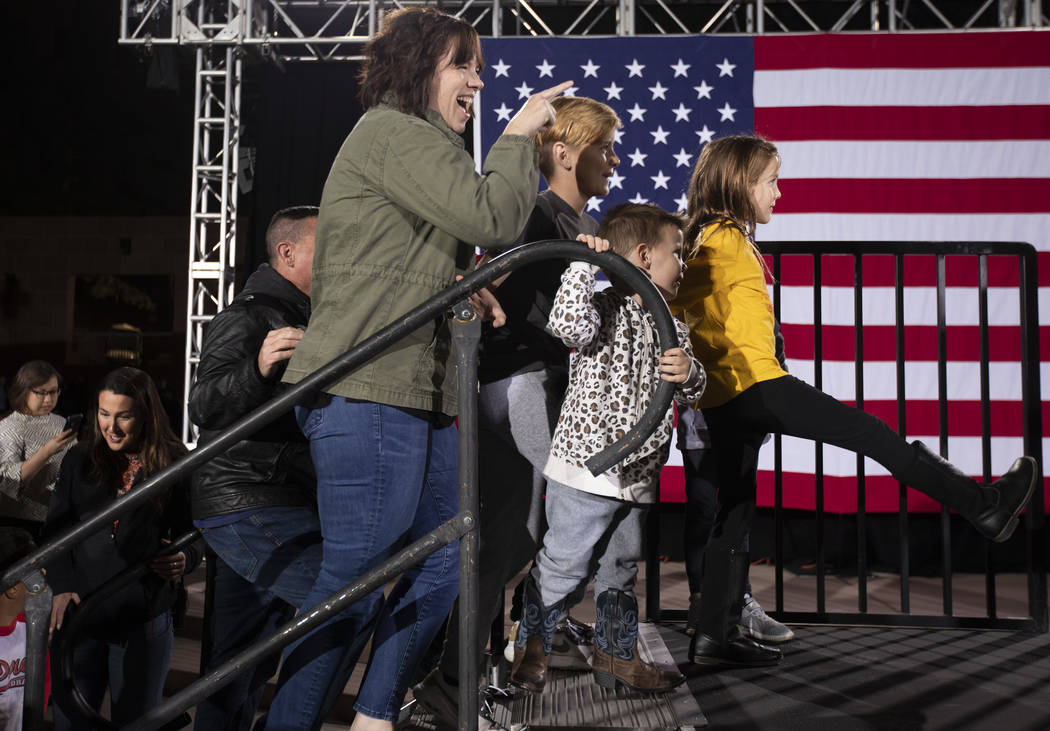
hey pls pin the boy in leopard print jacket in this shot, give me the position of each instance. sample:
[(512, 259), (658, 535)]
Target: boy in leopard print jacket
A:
[(598, 519)]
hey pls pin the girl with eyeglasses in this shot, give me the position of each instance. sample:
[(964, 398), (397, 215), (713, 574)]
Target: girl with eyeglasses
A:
[(32, 444)]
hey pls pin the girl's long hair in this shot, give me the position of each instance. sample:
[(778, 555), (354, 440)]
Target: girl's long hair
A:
[(156, 443), (720, 189)]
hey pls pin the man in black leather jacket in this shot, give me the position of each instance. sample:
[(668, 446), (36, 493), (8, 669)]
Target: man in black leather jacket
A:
[(256, 503)]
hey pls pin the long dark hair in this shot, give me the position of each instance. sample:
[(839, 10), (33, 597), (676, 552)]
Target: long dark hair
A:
[(156, 443), (402, 58)]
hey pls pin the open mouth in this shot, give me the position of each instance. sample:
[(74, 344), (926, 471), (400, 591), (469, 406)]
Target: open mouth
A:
[(466, 103)]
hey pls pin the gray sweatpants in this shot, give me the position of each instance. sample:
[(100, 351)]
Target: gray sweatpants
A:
[(516, 418), (588, 535)]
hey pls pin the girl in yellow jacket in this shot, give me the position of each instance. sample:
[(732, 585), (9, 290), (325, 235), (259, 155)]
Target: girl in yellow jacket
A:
[(724, 301)]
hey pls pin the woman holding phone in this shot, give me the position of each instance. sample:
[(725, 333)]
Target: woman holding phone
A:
[(32, 443)]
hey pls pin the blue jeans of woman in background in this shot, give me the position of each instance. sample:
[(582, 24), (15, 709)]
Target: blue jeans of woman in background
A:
[(385, 477), (133, 670)]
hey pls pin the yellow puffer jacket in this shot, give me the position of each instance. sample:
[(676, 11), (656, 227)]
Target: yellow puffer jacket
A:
[(724, 301)]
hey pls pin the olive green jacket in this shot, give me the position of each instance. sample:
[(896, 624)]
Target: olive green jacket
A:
[(401, 213)]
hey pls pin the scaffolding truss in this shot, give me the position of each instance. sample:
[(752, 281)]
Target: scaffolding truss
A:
[(221, 32)]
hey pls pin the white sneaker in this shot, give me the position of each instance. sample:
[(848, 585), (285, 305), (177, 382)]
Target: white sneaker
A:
[(755, 623), (569, 651), (508, 651)]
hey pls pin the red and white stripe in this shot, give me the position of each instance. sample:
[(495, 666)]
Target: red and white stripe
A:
[(906, 137)]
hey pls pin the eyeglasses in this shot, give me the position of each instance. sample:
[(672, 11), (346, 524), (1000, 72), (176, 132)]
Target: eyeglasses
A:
[(46, 394)]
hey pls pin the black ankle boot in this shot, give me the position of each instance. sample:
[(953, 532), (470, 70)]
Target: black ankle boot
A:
[(992, 509), (718, 640), (736, 651)]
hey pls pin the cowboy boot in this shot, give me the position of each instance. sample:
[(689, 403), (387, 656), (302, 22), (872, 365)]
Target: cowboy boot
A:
[(532, 642), (718, 640), (616, 656), (993, 509)]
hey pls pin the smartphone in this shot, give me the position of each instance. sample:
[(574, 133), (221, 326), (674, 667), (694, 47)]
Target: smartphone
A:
[(73, 421)]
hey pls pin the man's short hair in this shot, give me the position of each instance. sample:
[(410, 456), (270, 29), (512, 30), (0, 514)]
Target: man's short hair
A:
[(629, 224), (287, 225), (578, 121)]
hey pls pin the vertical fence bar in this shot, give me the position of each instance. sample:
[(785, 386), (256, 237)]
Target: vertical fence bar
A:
[(1035, 518), (986, 421), (942, 413), (778, 473), (902, 495), (466, 334), (858, 381), (818, 461)]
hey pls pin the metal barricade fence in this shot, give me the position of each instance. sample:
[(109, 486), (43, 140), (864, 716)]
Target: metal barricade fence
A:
[(1027, 340)]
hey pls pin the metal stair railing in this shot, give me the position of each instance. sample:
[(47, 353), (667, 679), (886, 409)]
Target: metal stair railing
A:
[(462, 525)]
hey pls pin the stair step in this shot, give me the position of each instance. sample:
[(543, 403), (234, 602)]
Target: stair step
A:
[(572, 699)]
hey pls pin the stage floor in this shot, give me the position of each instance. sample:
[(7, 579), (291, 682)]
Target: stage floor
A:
[(843, 678)]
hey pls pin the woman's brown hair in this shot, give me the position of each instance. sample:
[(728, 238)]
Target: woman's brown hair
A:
[(402, 58), (156, 443), (33, 374)]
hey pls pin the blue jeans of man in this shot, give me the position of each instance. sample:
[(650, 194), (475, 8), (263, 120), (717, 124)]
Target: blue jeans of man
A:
[(385, 477), (267, 564), (133, 670)]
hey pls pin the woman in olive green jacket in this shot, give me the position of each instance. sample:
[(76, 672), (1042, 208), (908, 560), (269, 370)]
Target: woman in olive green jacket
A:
[(402, 212)]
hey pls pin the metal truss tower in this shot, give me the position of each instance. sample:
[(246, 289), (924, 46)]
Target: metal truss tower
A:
[(221, 32)]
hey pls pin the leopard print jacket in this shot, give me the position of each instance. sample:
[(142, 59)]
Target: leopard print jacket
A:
[(612, 379)]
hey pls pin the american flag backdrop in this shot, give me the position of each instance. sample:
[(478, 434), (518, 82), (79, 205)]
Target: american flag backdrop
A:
[(884, 137)]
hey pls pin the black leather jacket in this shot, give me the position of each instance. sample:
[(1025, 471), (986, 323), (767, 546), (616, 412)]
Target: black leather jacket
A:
[(273, 467)]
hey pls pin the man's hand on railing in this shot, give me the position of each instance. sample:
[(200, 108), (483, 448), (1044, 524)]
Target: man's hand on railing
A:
[(59, 604)]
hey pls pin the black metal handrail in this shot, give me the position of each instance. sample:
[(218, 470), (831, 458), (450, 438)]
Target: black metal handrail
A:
[(316, 381), (62, 651), (1034, 521)]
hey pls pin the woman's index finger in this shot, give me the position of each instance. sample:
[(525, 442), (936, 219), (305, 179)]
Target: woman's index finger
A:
[(556, 90)]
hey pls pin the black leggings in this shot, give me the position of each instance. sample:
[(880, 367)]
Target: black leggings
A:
[(792, 407), (701, 509)]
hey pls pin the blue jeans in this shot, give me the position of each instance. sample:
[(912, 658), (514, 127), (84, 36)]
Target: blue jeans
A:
[(268, 562), (133, 670), (385, 477)]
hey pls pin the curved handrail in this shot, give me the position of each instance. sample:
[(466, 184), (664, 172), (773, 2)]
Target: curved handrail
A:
[(340, 366), (63, 650)]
